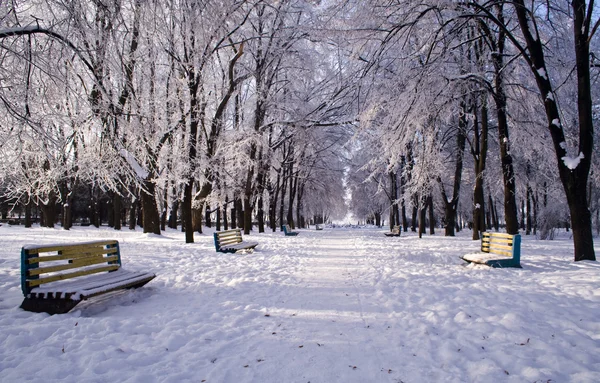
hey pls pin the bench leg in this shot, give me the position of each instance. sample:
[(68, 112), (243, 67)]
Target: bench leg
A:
[(50, 305)]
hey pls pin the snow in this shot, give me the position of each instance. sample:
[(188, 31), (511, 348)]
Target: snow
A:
[(542, 73), (337, 305), (571, 162), (139, 170)]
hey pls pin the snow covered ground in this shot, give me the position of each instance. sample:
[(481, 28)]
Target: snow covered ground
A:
[(338, 305)]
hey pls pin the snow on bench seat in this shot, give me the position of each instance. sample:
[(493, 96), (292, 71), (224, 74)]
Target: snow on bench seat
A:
[(84, 288)]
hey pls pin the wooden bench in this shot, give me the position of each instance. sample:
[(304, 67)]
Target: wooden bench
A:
[(55, 278), (288, 231), (498, 250), (230, 241), (394, 233)]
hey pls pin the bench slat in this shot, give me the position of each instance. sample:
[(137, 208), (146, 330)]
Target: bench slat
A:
[(63, 256), (33, 249), (60, 277), (80, 262), (230, 238), (491, 239), (496, 246), (497, 235)]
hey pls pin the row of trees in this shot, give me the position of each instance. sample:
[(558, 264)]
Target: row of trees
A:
[(478, 110), (495, 95), (175, 109)]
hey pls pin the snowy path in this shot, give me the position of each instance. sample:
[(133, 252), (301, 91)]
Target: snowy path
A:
[(326, 306)]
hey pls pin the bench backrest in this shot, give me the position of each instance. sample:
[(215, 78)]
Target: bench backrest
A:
[(396, 229), (50, 263), (502, 244), (227, 237), (286, 228)]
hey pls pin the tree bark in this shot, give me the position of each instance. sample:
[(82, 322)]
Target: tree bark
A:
[(431, 216), (422, 211), (150, 215), (529, 223), (117, 206), (28, 214), (510, 204), (480, 156)]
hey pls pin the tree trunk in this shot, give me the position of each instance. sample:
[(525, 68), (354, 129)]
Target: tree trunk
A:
[(207, 218), (481, 144), (402, 182), (413, 225), (528, 225), (239, 213), (247, 215), (510, 204), (422, 211), (292, 195), (67, 220), (394, 211), (49, 212), (431, 217), (249, 190), (522, 214), (282, 200), (404, 219), (117, 206), (225, 221), (163, 214), (488, 215), (173, 215), (273, 197), (132, 214), (28, 214), (150, 216), (260, 212)]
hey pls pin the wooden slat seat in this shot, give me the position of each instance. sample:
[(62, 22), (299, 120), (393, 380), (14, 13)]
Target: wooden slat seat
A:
[(230, 241), (288, 231), (497, 250), (55, 278)]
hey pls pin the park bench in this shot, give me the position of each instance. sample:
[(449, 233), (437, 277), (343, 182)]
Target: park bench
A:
[(230, 241), (319, 226), (394, 233), (55, 278), (498, 250), (288, 231)]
